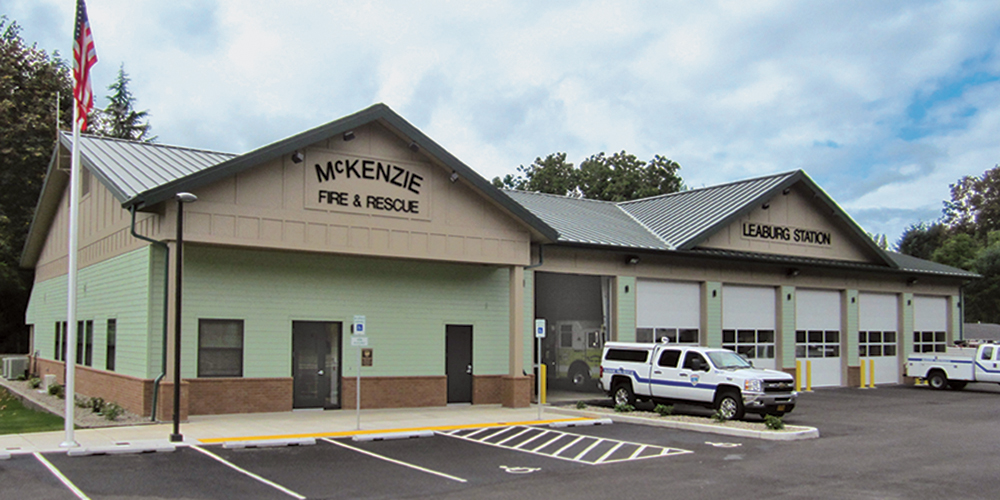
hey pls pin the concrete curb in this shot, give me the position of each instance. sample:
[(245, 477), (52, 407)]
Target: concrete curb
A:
[(799, 432), (122, 449)]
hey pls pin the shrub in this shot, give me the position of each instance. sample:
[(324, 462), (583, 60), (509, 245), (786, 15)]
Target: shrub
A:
[(774, 423), (21, 378), (57, 390), (112, 411), (81, 401), (580, 405), (718, 417), (664, 410), (34, 382), (624, 408), (96, 404)]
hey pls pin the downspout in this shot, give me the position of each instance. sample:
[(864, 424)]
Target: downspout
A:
[(166, 296)]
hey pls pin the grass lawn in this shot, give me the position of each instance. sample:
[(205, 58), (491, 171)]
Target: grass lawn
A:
[(16, 419)]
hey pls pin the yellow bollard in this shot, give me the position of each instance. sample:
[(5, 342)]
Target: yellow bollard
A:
[(864, 384), (809, 376), (544, 384), (798, 375), (871, 374)]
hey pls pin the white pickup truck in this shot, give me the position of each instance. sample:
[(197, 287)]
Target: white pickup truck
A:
[(957, 368), (718, 378)]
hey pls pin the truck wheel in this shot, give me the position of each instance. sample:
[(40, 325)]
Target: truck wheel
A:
[(729, 404), (623, 394), (957, 385), (937, 380), (579, 375)]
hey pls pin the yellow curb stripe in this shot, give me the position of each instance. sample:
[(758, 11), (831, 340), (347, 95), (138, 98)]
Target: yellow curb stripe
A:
[(383, 431)]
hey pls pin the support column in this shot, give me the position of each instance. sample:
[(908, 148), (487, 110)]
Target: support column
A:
[(624, 309), (849, 338), (711, 314), (905, 340), (516, 385), (786, 330)]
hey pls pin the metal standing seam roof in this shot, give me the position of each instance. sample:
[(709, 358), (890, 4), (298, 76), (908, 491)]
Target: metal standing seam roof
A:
[(678, 218), (585, 221), (129, 168)]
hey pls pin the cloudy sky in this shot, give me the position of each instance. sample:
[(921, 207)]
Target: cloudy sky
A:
[(883, 103)]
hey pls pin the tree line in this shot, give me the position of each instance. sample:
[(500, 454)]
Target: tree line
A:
[(35, 88), (966, 236)]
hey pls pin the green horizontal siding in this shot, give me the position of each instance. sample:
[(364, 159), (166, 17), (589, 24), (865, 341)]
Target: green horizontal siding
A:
[(625, 332), (116, 288), (407, 305)]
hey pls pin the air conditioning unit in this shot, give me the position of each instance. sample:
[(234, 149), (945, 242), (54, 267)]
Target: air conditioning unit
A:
[(14, 367)]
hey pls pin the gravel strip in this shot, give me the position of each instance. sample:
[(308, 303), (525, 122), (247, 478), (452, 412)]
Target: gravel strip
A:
[(83, 417)]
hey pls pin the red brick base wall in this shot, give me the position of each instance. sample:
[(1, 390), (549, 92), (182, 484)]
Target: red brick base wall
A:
[(516, 391), (213, 396), (487, 389), (395, 392), (132, 393)]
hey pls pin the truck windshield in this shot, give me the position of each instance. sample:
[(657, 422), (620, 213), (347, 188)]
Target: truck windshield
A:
[(728, 359)]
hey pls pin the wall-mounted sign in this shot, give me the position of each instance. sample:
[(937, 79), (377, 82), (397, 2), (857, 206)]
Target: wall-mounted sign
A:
[(356, 184), (785, 234)]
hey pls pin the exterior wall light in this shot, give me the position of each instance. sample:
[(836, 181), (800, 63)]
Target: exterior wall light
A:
[(298, 157)]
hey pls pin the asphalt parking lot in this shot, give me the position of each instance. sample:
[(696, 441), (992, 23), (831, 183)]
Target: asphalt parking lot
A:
[(891, 442)]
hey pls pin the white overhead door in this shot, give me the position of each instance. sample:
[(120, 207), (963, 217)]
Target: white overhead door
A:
[(930, 324), (748, 322), (878, 336), (817, 336), (668, 309)]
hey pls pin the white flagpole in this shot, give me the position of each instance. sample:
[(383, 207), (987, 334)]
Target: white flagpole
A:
[(71, 330)]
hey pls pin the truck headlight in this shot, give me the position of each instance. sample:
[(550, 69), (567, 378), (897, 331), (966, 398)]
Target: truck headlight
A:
[(753, 385)]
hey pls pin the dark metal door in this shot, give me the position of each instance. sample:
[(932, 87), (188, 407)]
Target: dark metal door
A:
[(316, 364), (458, 363)]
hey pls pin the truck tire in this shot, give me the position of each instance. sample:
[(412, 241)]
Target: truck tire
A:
[(937, 380), (622, 394), (579, 374), (729, 404), (957, 385)]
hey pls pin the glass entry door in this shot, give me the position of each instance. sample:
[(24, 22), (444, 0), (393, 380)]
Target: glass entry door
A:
[(316, 364)]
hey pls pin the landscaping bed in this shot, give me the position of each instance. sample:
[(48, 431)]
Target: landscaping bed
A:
[(41, 401)]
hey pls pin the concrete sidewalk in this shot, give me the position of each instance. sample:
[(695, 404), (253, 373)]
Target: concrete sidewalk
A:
[(284, 425)]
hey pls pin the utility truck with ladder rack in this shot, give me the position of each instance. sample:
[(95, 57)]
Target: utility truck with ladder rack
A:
[(956, 368)]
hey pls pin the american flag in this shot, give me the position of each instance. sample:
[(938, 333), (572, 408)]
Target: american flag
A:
[(84, 56)]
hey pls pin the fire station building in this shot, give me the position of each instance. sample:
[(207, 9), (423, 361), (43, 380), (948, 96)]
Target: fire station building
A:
[(366, 216)]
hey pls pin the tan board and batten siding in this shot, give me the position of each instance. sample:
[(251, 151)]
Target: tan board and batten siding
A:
[(796, 210), (264, 207)]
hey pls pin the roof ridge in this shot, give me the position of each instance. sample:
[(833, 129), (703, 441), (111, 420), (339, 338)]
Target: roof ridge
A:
[(716, 186), (151, 144), (536, 193)]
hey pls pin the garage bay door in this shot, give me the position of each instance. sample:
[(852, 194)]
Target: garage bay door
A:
[(878, 335), (817, 335), (930, 324), (668, 309), (748, 322)]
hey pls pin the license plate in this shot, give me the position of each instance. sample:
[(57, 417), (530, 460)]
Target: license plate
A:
[(781, 407)]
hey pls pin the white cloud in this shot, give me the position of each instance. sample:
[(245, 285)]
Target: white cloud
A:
[(727, 89)]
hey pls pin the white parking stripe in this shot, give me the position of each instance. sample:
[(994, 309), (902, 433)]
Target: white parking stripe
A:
[(59, 475), (497, 433), (526, 430), (248, 473), (577, 440), (484, 429), (608, 454), (616, 445), (526, 441), (397, 462), (587, 450)]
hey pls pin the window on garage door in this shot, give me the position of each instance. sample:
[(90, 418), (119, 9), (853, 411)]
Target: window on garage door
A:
[(817, 344), (930, 341), (668, 310), (875, 344), (750, 343)]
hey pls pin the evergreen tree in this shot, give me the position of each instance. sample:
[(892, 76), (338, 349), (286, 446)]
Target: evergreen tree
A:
[(120, 119)]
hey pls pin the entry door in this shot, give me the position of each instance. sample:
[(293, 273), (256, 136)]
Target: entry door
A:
[(316, 364), (458, 363)]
